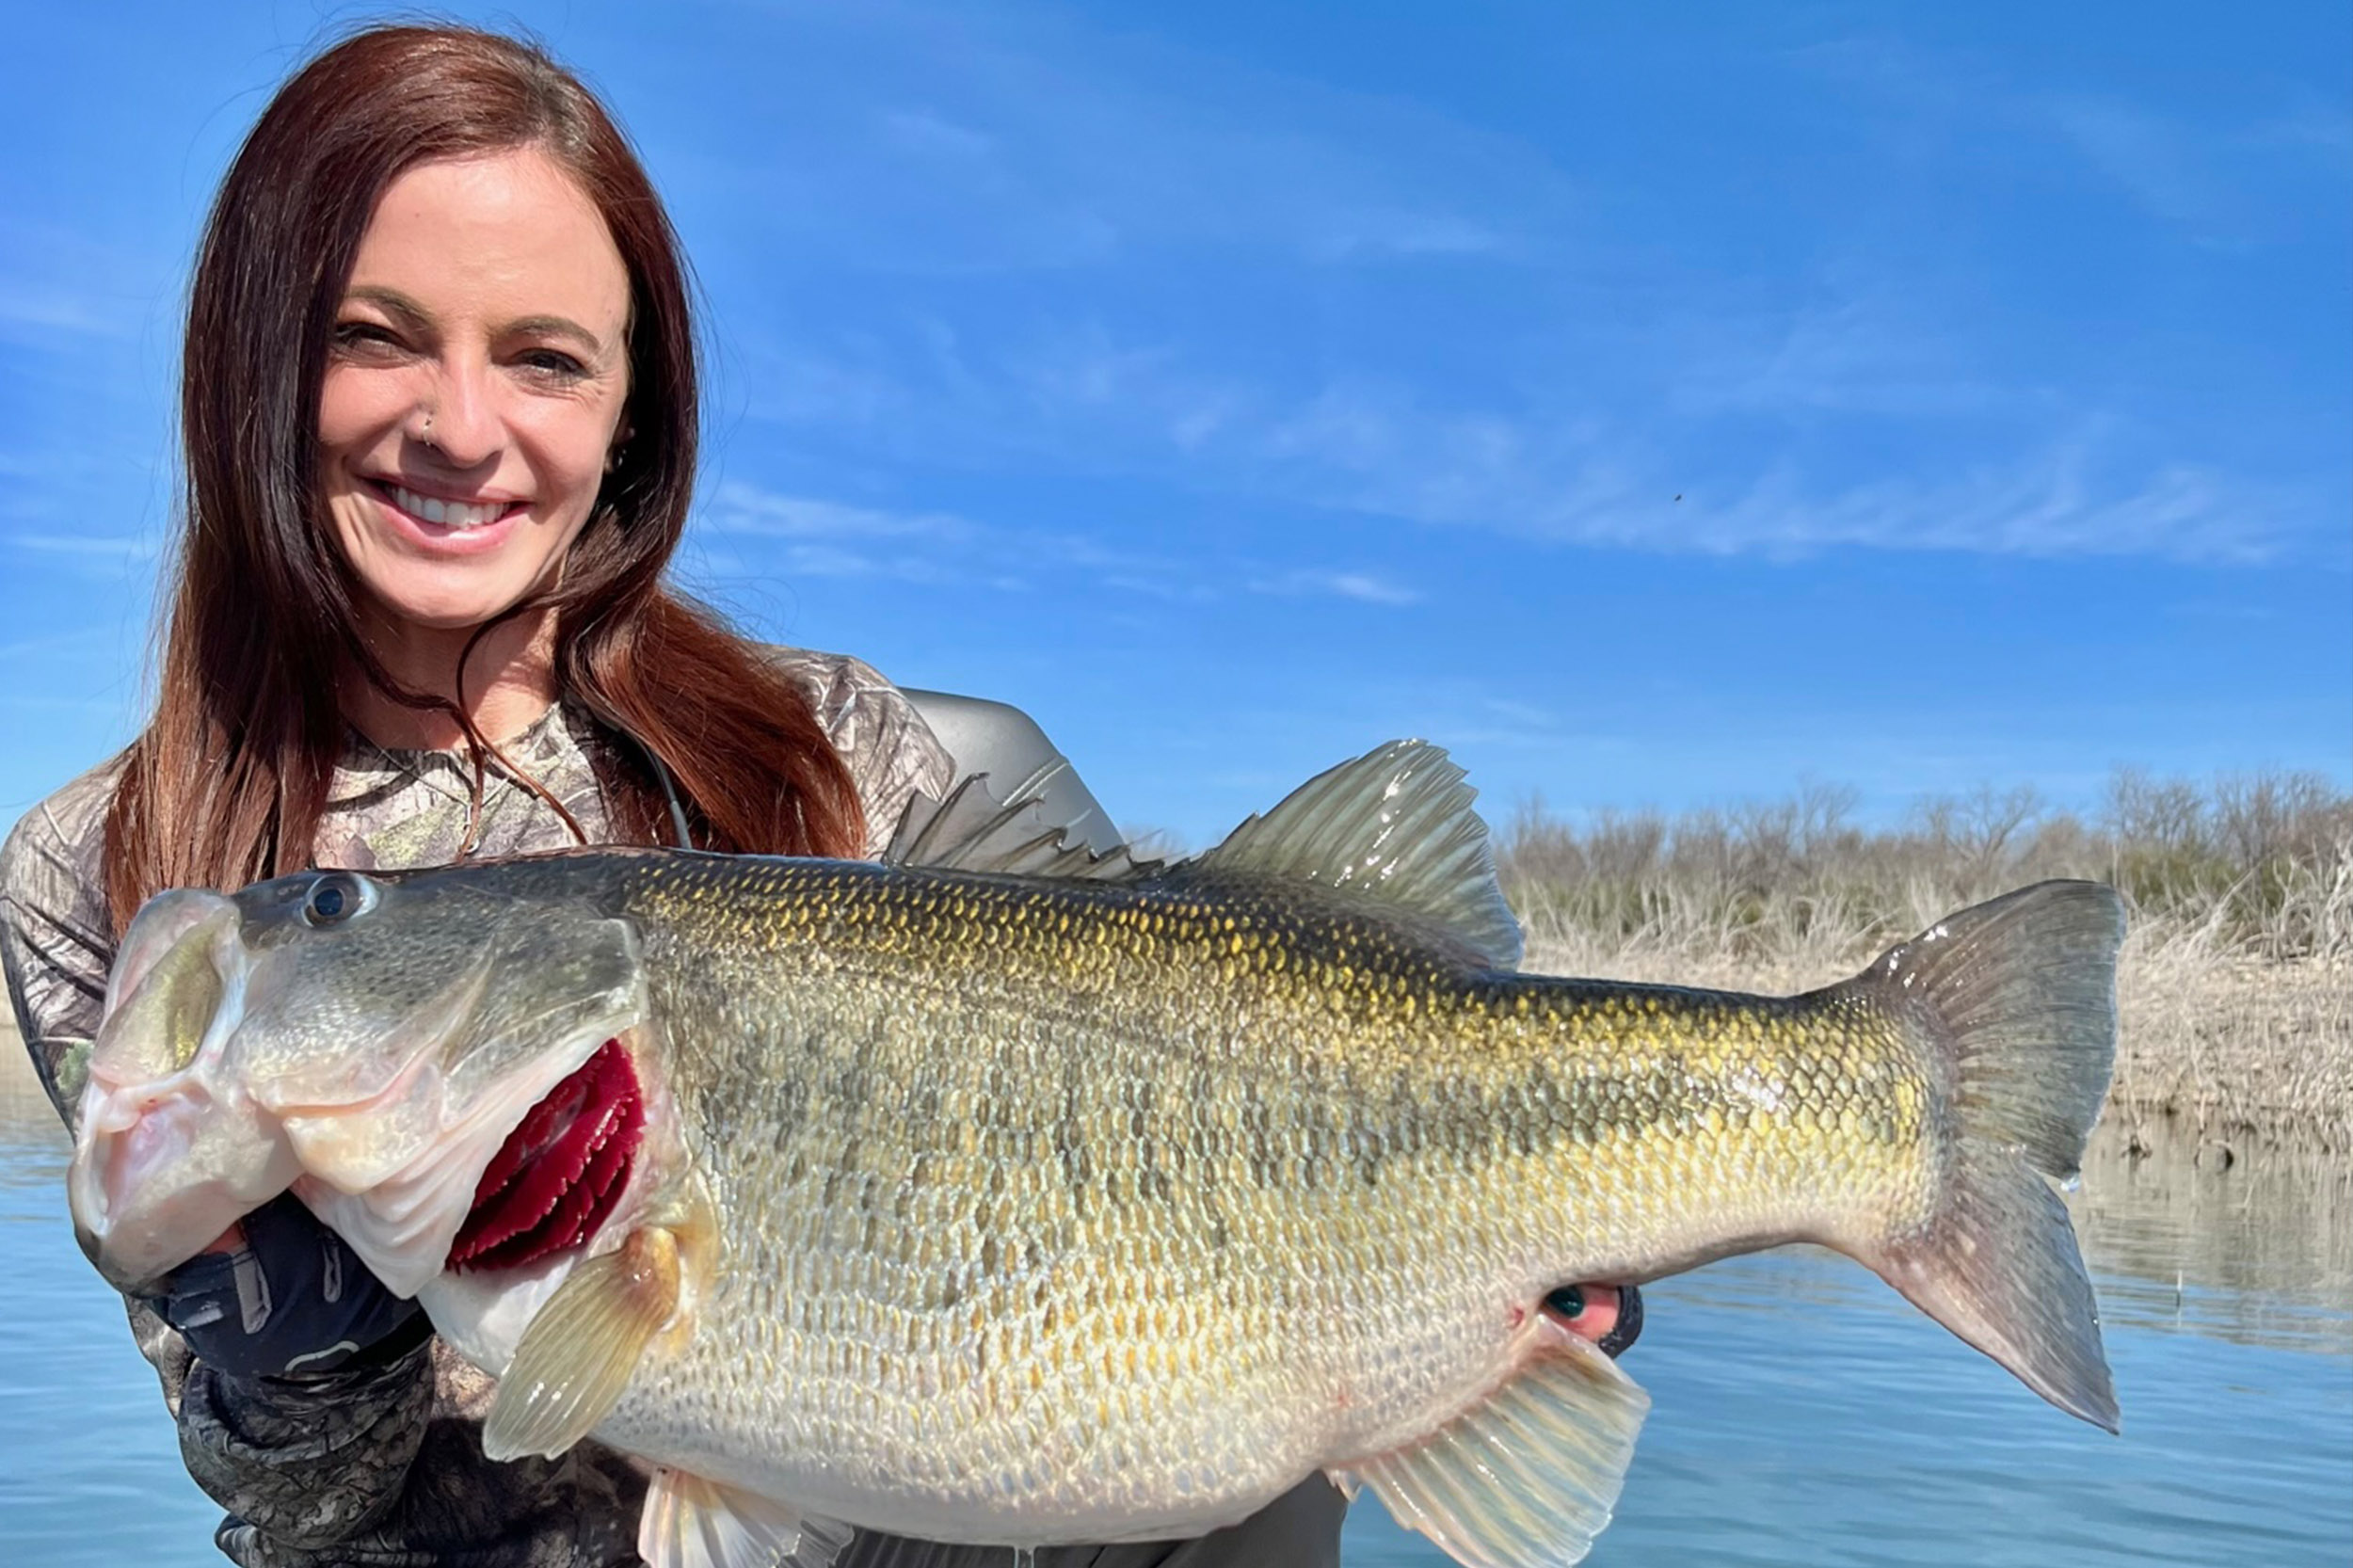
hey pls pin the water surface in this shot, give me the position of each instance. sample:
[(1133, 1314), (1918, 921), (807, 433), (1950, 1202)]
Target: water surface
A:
[(1804, 1414)]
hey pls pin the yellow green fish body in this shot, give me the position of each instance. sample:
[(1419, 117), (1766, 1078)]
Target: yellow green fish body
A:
[(1034, 1209)]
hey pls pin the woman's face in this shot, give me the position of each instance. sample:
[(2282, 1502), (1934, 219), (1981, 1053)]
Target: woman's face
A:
[(474, 387)]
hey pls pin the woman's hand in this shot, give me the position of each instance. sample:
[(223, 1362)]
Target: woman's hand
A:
[(280, 1295), (1608, 1315)]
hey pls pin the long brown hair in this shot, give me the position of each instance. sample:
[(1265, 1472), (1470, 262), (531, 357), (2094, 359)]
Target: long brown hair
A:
[(227, 783)]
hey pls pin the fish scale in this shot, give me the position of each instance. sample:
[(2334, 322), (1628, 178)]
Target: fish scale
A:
[(1029, 1196)]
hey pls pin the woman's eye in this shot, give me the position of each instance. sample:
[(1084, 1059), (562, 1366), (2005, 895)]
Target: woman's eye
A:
[(364, 335), (553, 363)]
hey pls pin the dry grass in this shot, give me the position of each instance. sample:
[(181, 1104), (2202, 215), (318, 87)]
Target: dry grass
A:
[(2235, 985)]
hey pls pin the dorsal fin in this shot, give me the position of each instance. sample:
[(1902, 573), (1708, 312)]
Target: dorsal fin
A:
[(974, 831), (1396, 824)]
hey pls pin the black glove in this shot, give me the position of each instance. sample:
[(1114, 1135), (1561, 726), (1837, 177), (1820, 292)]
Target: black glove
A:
[(1629, 1327), (292, 1301)]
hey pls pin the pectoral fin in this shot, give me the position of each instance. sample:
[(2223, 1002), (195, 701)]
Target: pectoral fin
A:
[(1528, 1476), (580, 1351), (690, 1522)]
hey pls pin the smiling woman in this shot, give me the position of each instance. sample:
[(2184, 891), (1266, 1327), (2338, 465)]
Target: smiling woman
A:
[(436, 268)]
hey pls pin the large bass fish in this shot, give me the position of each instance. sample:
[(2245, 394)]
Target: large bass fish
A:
[(1034, 1197)]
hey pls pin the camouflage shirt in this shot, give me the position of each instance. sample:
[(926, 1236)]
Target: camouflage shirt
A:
[(383, 1465)]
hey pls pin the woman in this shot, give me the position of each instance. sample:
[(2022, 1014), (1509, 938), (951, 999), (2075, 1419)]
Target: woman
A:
[(438, 408)]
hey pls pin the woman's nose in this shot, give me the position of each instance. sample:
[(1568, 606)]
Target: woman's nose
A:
[(460, 417)]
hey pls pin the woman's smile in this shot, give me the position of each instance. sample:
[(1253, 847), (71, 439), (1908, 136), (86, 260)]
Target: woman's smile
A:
[(454, 524)]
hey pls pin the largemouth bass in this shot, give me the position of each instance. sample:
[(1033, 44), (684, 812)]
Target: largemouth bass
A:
[(1027, 1196)]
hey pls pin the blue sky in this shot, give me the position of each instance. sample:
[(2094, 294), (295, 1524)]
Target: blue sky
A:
[(1654, 405)]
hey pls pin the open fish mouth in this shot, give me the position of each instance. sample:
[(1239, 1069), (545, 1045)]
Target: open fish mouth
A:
[(222, 1075), (165, 1167), (531, 1168)]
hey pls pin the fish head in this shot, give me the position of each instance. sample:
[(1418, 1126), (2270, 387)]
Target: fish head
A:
[(367, 1041)]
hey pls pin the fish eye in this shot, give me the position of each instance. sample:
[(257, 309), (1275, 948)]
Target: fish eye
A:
[(334, 899)]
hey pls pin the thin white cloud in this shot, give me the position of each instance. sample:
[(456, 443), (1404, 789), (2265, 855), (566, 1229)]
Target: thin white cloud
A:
[(63, 642), (1954, 103), (1863, 347), (27, 306), (2061, 500), (740, 509), (2160, 163), (2051, 504), (1040, 126), (2310, 124), (1169, 587), (1354, 236), (800, 535), (795, 536), (932, 135), (56, 279), (1525, 715), (35, 702), (1366, 588), (1091, 404), (128, 548)]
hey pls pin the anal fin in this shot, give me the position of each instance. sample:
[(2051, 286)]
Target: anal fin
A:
[(690, 1522), (1527, 1477), (578, 1355)]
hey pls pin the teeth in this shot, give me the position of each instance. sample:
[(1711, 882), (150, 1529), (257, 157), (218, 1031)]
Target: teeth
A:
[(447, 514)]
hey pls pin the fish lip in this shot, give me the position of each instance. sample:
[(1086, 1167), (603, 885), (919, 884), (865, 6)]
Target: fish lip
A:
[(161, 1116), (135, 1228), (144, 1287), (94, 1248)]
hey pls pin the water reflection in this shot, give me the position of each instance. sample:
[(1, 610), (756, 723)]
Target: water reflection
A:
[(31, 1138), (2255, 1246)]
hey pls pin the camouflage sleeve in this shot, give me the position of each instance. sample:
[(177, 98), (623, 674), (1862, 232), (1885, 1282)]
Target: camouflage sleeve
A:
[(306, 1463), (890, 752), (55, 940)]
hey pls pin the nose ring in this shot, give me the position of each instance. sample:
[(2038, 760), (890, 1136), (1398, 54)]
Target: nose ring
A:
[(426, 435)]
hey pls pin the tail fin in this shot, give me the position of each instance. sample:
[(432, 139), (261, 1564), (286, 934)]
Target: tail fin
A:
[(2016, 1000)]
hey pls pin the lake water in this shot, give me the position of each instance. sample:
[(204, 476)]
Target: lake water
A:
[(1804, 1413)]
